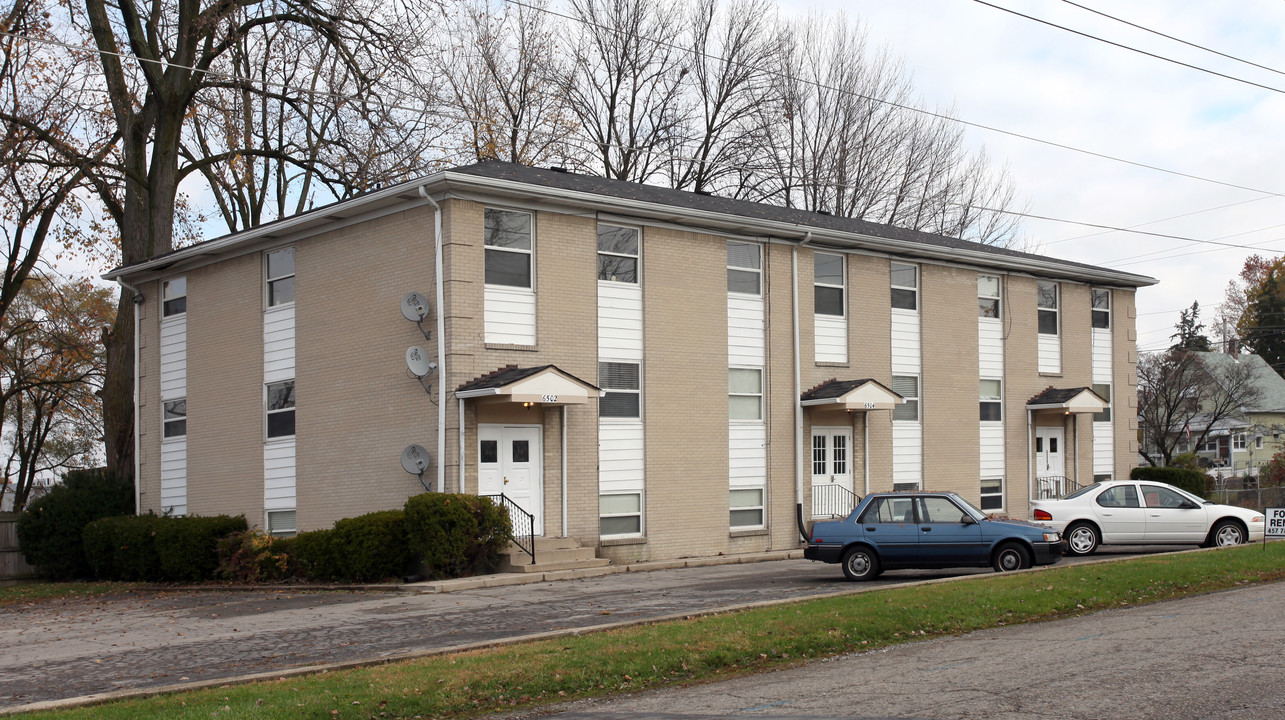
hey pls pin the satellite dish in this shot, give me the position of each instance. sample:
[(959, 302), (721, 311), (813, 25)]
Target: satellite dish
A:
[(418, 362), (415, 459), (414, 307)]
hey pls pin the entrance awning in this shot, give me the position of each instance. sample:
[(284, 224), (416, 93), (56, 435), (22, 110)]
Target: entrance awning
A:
[(857, 395), (1070, 401), (545, 384)]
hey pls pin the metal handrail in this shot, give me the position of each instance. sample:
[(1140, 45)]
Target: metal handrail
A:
[(833, 500), (1054, 487), (521, 524)]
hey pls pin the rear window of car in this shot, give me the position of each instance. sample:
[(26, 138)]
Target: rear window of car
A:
[(889, 510), (1082, 491)]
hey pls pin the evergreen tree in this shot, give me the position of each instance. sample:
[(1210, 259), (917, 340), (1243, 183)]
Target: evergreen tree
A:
[(1190, 335)]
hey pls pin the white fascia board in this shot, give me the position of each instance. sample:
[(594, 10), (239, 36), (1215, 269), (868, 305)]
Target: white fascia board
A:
[(485, 392)]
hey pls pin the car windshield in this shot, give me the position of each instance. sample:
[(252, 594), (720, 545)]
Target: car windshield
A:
[(1082, 491)]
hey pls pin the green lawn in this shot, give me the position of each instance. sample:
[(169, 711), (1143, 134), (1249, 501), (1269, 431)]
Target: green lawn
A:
[(709, 648), (46, 591)]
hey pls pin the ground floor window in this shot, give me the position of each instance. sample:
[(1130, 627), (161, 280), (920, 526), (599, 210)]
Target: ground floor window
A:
[(746, 508), (281, 522), (620, 514), (992, 493), (905, 487)]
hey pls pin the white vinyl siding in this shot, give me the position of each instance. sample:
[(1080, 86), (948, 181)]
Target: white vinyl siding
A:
[(747, 382), (278, 370), (173, 367), (174, 357), (830, 328), (990, 356), (1048, 327), (279, 475), (831, 339), (278, 343), (906, 357), (990, 348), (510, 315), (620, 457), (907, 365), (992, 449), (174, 476), (747, 471), (621, 440), (620, 321), (907, 455), (1103, 432), (745, 324)]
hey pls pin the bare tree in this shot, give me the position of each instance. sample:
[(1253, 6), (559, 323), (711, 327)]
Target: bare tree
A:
[(1185, 393)]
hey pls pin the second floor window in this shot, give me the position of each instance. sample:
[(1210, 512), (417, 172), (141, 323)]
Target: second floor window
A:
[(1101, 308), (744, 268), (175, 418), (987, 296), (281, 409), (617, 254), (907, 386), (174, 296), (508, 248), (745, 394), (990, 401), (905, 287), (1046, 296), (623, 398), (281, 277), (1104, 390), (828, 279)]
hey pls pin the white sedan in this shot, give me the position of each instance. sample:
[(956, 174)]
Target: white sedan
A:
[(1136, 512)]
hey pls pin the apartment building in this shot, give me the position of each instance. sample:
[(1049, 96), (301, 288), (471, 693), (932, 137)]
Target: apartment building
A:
[(655, 373)]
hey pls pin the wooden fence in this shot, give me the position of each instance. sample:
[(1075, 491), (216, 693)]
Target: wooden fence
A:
[(12, 565)]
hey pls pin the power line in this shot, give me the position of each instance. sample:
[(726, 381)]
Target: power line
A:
[(1171, 217)]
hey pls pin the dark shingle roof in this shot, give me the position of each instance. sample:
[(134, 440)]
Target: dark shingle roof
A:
[(1055, 396), (833, 388), (501, 377)]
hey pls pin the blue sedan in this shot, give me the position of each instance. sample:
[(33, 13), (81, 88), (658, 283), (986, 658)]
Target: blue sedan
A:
[(888, 531)]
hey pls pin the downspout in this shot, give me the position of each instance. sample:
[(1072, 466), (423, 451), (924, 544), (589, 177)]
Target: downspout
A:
[(798, 391), (441, 347), (459, 403), (1030, 458), (865, 441), (1075, 435), (138, 480), (564, 471)]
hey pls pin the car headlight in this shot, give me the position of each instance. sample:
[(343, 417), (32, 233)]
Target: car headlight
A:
[(1051, 537)]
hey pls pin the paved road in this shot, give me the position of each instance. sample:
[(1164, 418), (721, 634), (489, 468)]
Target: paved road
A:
[(1212, 656), (68, 649)]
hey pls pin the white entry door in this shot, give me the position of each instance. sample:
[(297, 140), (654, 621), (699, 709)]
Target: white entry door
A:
[(1050, 462), (831, 471), (510, 462)]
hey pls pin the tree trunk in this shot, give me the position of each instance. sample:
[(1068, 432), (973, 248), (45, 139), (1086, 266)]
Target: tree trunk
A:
[(118, 389)]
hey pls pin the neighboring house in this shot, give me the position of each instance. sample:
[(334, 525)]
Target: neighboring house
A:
[(655, 373), (1243, 442)]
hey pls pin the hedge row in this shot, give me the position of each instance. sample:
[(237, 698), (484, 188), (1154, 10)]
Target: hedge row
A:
[(1193, 481), (50, 529), (149, 547)]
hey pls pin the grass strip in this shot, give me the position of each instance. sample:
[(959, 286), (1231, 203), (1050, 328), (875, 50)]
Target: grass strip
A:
[(39, 592), (709, 648)]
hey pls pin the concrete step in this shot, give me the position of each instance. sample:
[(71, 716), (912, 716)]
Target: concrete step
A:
[(551, 554)]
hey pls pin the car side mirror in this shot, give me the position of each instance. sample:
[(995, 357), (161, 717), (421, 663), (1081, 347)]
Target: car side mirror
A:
[(1188, 505), (967, 520)]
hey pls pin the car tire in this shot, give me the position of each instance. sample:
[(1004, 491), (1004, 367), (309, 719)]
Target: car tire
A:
[(1082, 539), (1226, 533), (860, 564), (1011, 556)]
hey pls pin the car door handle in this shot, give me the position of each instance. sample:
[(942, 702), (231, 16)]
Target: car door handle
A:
[(926, 529), (869, 529)]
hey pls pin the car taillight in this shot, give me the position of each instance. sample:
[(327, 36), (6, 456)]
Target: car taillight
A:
[(1043, 515)]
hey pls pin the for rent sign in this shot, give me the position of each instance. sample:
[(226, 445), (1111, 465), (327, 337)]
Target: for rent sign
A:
[(1275, 522)]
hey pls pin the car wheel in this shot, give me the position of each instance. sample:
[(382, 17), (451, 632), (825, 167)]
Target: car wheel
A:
[(1010, 557), (860, 563), (1082, 539), (1226, 533)]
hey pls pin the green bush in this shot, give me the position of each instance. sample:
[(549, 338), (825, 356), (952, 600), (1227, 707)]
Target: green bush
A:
[(99, 541), (1193, 481), (51, 530), (1189, 461), (456, 535), (372, 547), (314, 555), (254, 556), (187, 547)]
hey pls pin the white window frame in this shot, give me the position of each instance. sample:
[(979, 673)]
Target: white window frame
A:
[(758, 395), (1105, 415), (919, 411), (756, 270), (283, 531), (168, 422), (608, 515), (604, 385), (997, 399), (1258, 442), (267, 412), (982, 494), (983, 300), (841, 287), (1210, 445), (1239, 442), (912, 288), (270, 281), (636, 256), (529, 251), (1097, 312), (760, 508), (1055, 309), (168, 297)]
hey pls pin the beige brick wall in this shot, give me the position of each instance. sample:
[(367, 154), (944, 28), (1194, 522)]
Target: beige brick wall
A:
[(870, 355), (148, 421), (949, 408), (1124, 371), (1022, 381)]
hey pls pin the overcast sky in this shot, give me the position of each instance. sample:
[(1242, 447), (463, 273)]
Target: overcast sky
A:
[(1012, 73)]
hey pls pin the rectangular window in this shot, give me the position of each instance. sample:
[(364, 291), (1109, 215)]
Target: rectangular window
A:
[(828, 283), (745, 394), (987, 296), (989, 392), (906, 386), (746, 508), (507, 236), (1101, 308), (623, 398), (1238, 441), (617, 254), (992, 496), (175, 421), (905, 287), (281, 522), (1210, 446), (174, 296), (1046, 293), (620, 514), (1258, 442), (281, 277), (1103, 389), (744, 268), (281, 409)]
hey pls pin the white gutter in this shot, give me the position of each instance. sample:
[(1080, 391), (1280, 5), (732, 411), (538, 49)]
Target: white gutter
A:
[(798, 388), (564, 470), (459, 403), (441, 341), (138, 466), (1030, 458)]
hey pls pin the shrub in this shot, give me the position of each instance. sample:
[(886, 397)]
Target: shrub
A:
[(1188, 460), (188, 547), (456, 535), (371, 547), (254, 556), (1193, 481), (314, 555), (51, 530)]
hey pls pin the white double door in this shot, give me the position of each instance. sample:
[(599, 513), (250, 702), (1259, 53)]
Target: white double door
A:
[(831, 471), (510, 462)]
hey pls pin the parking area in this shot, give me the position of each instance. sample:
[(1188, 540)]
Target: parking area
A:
[(152, 639)]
